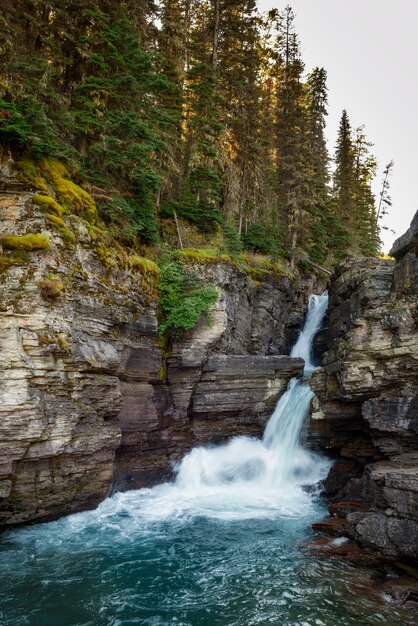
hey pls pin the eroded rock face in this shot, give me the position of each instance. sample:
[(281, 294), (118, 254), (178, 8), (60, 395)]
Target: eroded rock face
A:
[(368, 396), (89, 402), (61, 364)]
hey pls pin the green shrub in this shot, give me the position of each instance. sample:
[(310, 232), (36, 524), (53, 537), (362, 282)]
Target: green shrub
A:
[(182, 298), (14, 129), (188, 311), (132, 220), (260, 237), (231, 243)]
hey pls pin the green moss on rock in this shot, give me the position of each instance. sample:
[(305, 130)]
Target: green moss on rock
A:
[(48, 204), (29, 172), (8, 260), (54, 219), (53, 178), (145, 266), (28, 242), (65, 232), (68, 193)]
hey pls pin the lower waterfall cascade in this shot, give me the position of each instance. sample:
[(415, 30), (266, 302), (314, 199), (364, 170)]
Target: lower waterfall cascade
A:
[(247, 477), (219, 546)]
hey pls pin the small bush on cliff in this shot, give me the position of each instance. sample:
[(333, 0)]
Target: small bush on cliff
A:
[(14, 129), (231, 243), (51, 287), (183, 299), (261, 238)]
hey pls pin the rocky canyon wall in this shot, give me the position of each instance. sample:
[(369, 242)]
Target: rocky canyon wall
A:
[(367, 412), (90, 399)]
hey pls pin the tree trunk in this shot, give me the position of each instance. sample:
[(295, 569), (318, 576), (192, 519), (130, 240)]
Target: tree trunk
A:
[(178, 230), (186, 25), (216, 35)]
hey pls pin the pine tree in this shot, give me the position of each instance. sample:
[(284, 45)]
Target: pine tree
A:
[(201, 180), (293, 171), (319, 165), (343, 187), (354, 200), (366, 236), (173, 59), (238, 70)]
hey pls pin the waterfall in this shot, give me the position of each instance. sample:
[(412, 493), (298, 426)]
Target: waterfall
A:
[(282, 431), (235, 476), (220, 545), (246, 478)]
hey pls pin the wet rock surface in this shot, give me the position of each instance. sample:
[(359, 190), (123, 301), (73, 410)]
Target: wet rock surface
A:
[(237, 394), (375, 574), (367, 409)]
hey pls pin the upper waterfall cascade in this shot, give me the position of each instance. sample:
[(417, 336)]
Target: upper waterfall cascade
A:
[(303, 347)]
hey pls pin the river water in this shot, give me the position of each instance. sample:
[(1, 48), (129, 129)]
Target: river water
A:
[(219, 546)]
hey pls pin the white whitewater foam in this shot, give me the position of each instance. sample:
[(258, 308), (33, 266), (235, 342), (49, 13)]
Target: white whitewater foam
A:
[(246, 477), (339, 541)]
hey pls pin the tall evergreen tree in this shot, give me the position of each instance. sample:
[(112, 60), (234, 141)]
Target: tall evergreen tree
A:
[(173, 59), (319, 165), (354, 200), (343, 186), (294, 170), (366, 238), (238, 70), (201, 180)]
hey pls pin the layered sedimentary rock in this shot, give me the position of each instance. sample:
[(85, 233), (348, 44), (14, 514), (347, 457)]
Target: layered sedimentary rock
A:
[(68, 327), (203, 371), (240, 391), (368, 403), (89, 400)]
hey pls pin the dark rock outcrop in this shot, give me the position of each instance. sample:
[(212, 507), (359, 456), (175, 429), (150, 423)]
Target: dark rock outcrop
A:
[(237, 394), (367, 411)]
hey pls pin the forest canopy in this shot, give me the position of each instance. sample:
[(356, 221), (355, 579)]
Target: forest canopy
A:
[(198, 109)]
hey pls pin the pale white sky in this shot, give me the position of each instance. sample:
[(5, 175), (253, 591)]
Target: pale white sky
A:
[(370, 51)]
